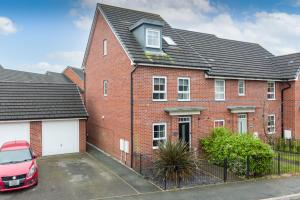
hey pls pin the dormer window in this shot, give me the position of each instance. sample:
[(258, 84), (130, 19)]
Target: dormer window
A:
[(153, 38)]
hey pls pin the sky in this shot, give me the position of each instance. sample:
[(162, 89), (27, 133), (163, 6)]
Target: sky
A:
[(48, 35)]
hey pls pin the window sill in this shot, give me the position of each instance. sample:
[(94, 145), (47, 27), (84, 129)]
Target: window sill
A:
[(242, 95), (271, 99), (159, 100), (220, 100), (183, 100)]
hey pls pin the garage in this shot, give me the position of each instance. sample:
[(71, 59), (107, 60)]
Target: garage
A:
[(50, 116), (14, 131), (60, 137)]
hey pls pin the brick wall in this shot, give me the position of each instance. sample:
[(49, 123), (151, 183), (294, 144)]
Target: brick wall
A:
[(109, 116), (147, 112), (74, 78), (82, 135), (36, 137)]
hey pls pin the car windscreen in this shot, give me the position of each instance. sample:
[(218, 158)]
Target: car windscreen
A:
[(15, 156)]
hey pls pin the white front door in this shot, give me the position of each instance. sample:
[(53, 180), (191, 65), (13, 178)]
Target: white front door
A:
[(14, 131), (242, 123), (60, 137)]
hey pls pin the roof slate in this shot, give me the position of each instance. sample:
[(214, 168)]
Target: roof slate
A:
[(25, 101), (287, 65), (220, 57), (122, 19), (9, 75)]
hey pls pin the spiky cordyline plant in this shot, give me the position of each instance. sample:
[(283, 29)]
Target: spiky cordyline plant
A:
[(174, 161)]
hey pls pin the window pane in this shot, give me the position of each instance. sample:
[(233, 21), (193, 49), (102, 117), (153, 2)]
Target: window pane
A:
[(153, 38)]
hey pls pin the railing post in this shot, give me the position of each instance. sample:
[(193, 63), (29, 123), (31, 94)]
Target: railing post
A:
[(165, 181), (248, 167), (225, 170), (140, 163), (278, 163)]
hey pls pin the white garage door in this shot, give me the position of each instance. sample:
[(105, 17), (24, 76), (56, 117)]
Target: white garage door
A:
[(60, 137), (14, 131)]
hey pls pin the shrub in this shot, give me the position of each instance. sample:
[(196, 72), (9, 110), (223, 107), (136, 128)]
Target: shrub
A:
[(223, 144), (174, 161)]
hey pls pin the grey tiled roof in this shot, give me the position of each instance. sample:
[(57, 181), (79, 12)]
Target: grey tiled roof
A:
[(78, 71), (9, 75), (287, 65), (25, 101), (222, 57), (58, 77), (232, 58), (122, 19)]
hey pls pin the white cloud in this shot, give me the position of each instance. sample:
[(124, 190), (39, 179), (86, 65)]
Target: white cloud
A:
[(7, 26), (83, 23), (55, 62), (279, 32), (72, 58), (41, 67)]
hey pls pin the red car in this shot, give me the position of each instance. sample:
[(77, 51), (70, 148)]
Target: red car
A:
[(18, 167)]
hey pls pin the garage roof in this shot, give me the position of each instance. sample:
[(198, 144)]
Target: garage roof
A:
[(28, 101)]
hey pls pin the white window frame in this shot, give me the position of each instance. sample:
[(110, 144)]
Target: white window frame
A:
[(243, 84), (105, 88), (184, 92), (159, 38), (271, 126), (271, 93), (217, 121), (217, 80), (104, 47), (159, 138), (165, 91)]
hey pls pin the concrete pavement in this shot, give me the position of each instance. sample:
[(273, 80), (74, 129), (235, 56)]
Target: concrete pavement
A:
[(249, 190)]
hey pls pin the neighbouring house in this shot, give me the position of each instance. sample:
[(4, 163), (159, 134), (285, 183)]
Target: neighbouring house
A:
[(45, 110), (76, 75), (147, 82)]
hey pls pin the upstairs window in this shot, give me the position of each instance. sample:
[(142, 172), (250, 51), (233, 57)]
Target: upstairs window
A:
[(219, 90), (241, 87), (159, 88), (153, 38), (183, 89), (104, 47), (271, 90), (159, 134), (271, 124), (105, 87)]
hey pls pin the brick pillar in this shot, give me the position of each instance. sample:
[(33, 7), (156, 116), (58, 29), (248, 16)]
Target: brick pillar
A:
[(36, 137), (82, 135)]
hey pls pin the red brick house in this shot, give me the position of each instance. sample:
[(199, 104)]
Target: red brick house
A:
[(147, 82), (76, 75)]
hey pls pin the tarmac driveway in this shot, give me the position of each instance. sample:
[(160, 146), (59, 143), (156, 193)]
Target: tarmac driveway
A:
[(75, 176)]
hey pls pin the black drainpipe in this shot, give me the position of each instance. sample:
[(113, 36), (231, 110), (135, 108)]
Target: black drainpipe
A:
[(131, 114), (282, 107)]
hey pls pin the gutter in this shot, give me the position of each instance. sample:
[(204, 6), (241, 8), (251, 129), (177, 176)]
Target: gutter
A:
[(282, 107), (131, 114)]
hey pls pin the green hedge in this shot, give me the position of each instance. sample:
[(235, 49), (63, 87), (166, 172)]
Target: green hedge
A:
[(224, 144)]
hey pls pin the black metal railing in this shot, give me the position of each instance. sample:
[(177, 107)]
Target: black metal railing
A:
[(206, 172)]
